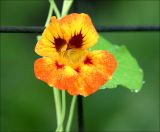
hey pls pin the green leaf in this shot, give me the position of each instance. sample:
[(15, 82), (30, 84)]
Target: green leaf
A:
[(128, 72)]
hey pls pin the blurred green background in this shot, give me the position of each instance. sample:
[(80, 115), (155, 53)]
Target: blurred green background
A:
[(27, 104)]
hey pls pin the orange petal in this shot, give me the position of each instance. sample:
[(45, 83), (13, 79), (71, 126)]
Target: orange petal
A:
[(104, 60), (89, 81), (54, 73), (98, 68), (78, 30), (78, 87)]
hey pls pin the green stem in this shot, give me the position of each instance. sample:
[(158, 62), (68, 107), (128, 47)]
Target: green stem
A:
[(60, 127), (49, 15), (57, 95), (54, 7), (71, 112), (57, 105), (61, 108), (66, 6)]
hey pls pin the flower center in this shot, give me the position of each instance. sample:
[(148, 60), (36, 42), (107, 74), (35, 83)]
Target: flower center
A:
[(71, 51)]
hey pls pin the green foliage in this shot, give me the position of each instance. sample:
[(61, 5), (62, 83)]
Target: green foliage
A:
[(128, 72)]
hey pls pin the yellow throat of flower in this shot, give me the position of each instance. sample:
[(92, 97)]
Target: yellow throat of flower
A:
[(71, 56)]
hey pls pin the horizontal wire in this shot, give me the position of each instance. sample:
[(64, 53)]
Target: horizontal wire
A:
[(39, 29)]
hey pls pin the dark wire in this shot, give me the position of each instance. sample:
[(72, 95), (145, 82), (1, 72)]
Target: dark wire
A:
[(39, 29), (80, 114)]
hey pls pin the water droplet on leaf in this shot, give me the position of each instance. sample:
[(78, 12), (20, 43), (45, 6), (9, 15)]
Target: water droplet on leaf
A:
[(143, 82), (136, 91)]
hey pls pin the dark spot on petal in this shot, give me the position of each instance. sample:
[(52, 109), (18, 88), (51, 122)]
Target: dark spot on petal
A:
[(59, 65), (88, 60), (76, 41), (59, 43), (77, 69)]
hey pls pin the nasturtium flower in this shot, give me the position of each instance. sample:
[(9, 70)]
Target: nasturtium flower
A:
[(66, 62)]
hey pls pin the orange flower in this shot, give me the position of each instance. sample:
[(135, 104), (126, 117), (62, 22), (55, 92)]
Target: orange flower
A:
[(66, 62)]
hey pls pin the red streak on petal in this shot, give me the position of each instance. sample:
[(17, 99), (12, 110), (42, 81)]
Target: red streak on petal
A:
[(76, 41), (88, 60), (59, 43), (77, 69), (59, 66)]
